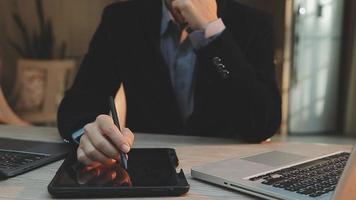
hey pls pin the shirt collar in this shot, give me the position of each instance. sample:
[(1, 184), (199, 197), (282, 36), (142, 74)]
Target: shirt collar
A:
[(166, 18)]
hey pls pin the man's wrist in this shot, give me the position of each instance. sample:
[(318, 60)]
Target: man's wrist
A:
[(201, 38), (214, 28), (77, 135)]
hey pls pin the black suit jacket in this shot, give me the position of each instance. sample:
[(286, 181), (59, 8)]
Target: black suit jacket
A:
[(235, 88)]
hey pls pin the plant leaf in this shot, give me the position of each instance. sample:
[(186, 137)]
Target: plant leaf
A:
[(37, 46), (24, 33), (62, 50), (18, 48), (40, 14), (50, 39)]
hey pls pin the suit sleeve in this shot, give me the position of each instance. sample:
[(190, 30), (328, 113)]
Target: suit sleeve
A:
[(97, 79), (239, 87)]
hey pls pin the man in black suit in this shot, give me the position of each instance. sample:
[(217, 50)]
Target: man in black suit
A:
[(197, 67)]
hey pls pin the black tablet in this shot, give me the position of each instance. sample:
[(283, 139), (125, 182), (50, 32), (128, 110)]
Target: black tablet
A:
[(150, 172)]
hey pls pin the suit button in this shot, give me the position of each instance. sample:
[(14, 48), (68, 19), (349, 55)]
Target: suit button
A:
[(220, 67), (225, 74), (217, 61)]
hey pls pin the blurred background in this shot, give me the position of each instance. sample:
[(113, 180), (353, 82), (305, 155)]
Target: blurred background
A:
[(43, 41)]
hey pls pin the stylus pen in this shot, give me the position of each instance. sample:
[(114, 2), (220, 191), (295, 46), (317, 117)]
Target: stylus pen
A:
[(116, 122)]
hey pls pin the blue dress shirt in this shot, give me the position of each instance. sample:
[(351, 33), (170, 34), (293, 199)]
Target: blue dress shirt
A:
[(180, 58)]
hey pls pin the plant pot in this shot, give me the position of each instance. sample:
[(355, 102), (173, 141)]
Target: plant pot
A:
[(39, 88)]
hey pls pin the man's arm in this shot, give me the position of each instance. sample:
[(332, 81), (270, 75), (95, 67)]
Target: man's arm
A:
[(96, 80), (85, 105), (239, 87)]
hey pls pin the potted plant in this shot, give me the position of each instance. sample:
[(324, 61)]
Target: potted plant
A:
[(42, 70)]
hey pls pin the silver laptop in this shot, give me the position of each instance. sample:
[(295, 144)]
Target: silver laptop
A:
[(299, 172)]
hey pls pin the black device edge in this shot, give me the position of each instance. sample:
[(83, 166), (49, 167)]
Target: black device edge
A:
[(107, 192), (12, 173), (6, 174)]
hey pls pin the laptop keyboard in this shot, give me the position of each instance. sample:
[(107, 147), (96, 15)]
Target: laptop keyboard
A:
[(11, 159), (313, 178)]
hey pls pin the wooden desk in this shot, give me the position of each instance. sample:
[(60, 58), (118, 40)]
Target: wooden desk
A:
[(191, 151)]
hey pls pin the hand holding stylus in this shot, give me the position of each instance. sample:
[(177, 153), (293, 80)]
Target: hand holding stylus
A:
[(102, 142)]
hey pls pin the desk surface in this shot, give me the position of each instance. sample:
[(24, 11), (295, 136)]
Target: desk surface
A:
[(191, 151)]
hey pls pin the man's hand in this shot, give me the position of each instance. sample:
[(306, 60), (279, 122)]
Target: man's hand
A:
[(102, 142), (196, 13)]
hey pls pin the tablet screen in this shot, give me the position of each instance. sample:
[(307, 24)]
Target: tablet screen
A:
[(145, 169)]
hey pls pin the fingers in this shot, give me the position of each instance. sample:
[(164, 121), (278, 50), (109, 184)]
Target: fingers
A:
[(108, 129), (129, 136), (178, 16), (100, 142), (83, 158), (91, 153), (181, 4), (176, 12), (197, 13)]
